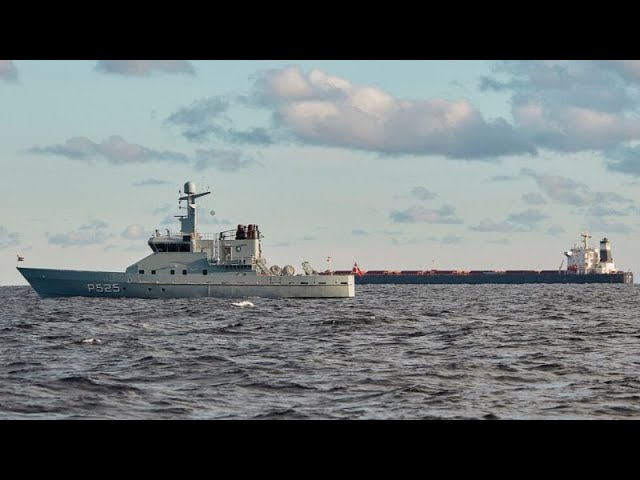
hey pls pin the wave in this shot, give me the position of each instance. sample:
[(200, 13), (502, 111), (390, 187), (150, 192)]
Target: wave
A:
[(244, 303)]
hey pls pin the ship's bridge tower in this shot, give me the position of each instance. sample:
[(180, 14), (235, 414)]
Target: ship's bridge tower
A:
[(583, 259), (188, 240)]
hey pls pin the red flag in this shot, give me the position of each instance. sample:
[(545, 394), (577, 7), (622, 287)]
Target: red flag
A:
[(356, 270), (20, 258)]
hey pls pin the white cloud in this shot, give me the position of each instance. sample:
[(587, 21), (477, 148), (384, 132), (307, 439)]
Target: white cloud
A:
[(572, 105), (533, 198), (289, 83), (7, 238), (524, 221), (624, 159), (527, 217), (422, 193), (566, 106), (489, 225), (606, 225), (92, 233), (207, 118), (144, 68), (148, 182), (322, 109), (629, 69), (115, 150), (570, 128), (133, 232), (566, 190), (94, 225), (499, 241), (562, 189), (444, 214), (556, 229), (502, 178), (8, 70), (224, 160), (452, 240)]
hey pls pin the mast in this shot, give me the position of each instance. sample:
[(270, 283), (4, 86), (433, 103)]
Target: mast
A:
[(188, 223), (585, 236)]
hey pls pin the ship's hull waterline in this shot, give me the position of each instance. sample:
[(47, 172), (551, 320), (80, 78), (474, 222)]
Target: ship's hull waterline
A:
[(498, 278), (68, 283)]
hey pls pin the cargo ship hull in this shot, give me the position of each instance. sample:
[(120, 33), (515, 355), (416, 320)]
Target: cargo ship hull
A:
[(493, 278)]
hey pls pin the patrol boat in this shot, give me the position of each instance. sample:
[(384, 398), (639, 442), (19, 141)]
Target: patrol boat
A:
[(192, 264)]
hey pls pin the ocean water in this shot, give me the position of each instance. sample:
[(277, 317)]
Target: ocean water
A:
[(392, 352)]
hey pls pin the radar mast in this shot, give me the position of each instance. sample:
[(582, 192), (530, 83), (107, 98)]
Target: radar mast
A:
[(188, 222)]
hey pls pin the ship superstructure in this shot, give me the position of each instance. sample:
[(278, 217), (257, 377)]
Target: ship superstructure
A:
[(194, 264), (586, 260)]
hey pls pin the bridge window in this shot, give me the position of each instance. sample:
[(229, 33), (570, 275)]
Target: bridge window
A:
[(184, 272), (172, 247), (204, 272), (153, 272), (141, 272), (173, 272)]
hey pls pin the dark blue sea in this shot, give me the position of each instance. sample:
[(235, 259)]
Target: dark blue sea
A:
[(392, 352)]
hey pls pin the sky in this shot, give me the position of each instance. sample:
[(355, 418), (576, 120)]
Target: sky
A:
[(393, 164)]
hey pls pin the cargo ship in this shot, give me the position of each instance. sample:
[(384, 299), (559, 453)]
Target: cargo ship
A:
[(584, 265)]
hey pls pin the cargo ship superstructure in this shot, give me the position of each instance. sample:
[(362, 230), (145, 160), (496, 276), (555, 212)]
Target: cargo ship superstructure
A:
[(584, 265), (192, 264)]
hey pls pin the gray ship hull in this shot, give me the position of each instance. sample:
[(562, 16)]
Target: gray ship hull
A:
[(68, 283)]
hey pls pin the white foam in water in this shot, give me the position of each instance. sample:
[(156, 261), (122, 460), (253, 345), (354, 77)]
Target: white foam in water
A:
[(244, 303), (92, 340)]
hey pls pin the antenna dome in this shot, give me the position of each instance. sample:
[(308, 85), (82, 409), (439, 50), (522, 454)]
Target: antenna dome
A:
[(189, 188)]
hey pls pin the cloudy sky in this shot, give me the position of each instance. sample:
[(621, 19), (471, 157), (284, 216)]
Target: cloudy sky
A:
[(393, 164)]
